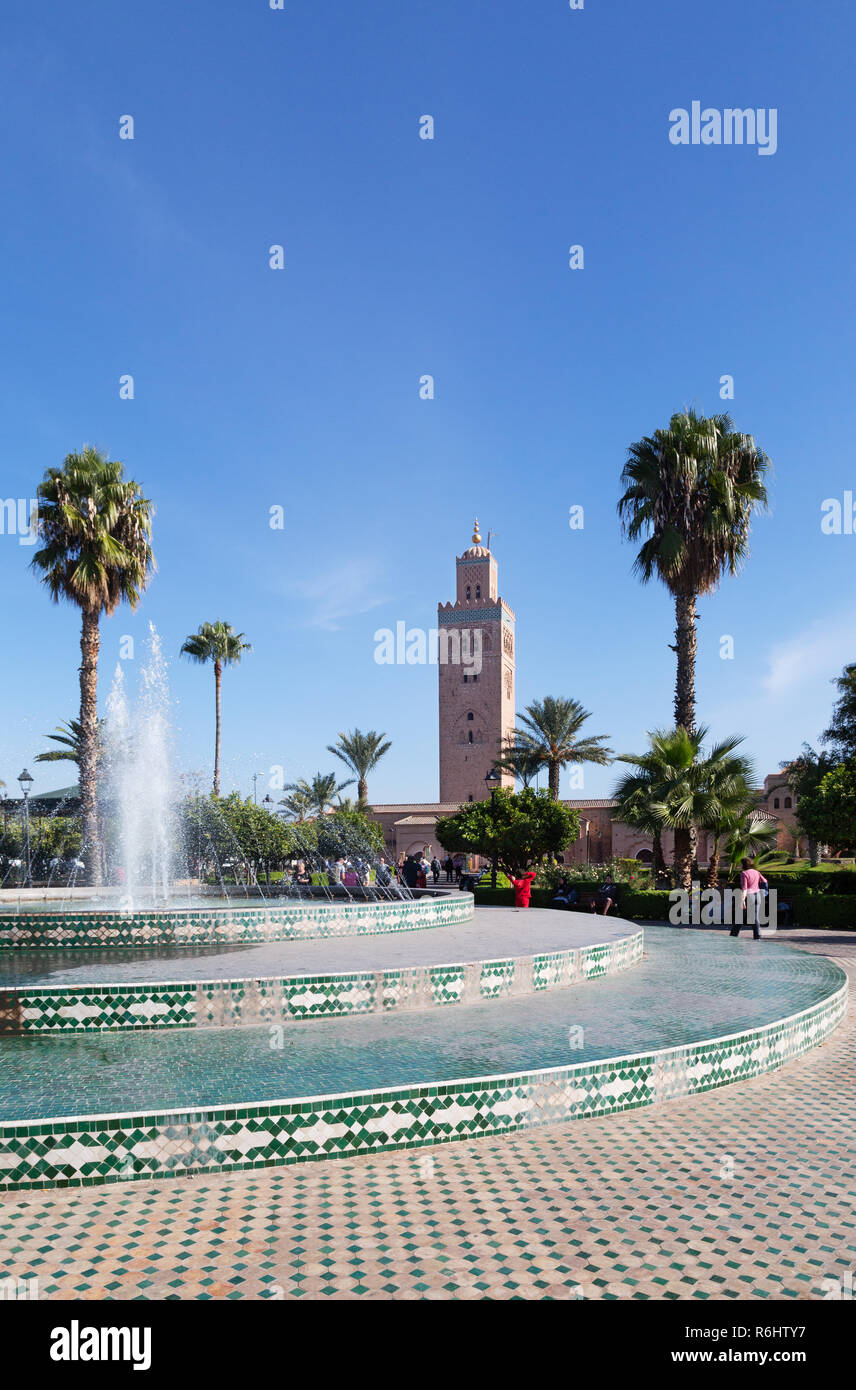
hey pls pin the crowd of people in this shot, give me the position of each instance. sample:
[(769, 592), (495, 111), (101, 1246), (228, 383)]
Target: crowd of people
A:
[(410, 871)]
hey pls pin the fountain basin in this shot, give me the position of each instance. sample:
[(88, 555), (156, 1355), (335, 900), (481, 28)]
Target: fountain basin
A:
[(700, 1012), (503, 954), (236, 921)]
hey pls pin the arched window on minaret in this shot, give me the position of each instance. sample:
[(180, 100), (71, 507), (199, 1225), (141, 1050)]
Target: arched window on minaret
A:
[(470, 715), (468, 593), (478, 591)]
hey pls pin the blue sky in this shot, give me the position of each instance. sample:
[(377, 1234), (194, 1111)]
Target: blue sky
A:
[(256, 388)]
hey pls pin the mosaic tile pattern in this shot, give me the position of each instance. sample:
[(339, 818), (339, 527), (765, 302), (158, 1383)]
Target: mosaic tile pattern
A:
[(229, 1003), (95, 1149), (744, 1193), (207, 926)]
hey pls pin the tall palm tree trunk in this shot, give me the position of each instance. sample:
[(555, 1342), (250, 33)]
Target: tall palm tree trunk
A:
[(713, 866), (659, 865), (553, 778), (685, 646), (90, 642), (218, 705), (362, 790), (684, 857)]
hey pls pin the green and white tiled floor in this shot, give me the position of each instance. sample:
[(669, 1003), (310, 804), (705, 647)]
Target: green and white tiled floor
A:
[(742, 1193)]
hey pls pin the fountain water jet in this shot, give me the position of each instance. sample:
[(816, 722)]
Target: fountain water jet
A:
[(140, 788)]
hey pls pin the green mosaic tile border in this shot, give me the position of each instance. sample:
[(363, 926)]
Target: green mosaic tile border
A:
[(112, 1148), (91, 1008), (208, 926)]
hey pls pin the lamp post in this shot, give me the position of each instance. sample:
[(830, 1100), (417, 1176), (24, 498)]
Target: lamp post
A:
[(256, 776), (26, 781), (493, 779), (4, 798)]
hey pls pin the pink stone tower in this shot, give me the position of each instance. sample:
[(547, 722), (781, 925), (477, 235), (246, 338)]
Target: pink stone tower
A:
[(476, 706)]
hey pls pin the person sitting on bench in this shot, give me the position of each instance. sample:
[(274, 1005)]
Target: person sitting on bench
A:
[(606, 897), (565, 896)]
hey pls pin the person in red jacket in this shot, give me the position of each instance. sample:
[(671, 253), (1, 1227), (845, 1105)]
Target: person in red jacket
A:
[(522, 889)]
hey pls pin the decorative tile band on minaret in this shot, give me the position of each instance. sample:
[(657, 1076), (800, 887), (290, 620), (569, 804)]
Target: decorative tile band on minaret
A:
[(476, 676)]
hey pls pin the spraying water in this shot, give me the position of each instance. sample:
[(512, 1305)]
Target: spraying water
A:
[(140, 787)]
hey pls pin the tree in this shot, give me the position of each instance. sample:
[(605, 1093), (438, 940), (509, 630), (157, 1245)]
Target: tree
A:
[(297, 806), (229, 834), (827, 812), (361, 753), (550, 731), (841, 734), (805, 774), (68, 738), (57, 838), (95, 528), (749, 837), (317, 795), (729, 777), (523, 762), (519, 829), (219, 643), (350, 832), (677, 786), (640, 805), (690, 493)]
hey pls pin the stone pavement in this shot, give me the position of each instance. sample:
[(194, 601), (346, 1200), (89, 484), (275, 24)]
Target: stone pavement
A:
[(748, 1192)]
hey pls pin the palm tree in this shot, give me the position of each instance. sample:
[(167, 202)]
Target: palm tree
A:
[(690, 492), (678, 786), (753, 838), (318, 794), (217, 642), (68, 738), (95, 527), (550, 730), (640, 804), (361, 753), (297, 806), (735, 821), (524, 763)]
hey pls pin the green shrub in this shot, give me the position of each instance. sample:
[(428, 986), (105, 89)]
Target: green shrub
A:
[(826, 910), (494, 897), (813, 881), (646, 905)]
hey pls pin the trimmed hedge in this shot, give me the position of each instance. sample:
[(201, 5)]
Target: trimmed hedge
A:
[(837, 881), (650, 905), (653, 906), (826, 910)]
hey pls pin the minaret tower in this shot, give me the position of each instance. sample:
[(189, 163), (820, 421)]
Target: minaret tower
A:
[(476, 677)]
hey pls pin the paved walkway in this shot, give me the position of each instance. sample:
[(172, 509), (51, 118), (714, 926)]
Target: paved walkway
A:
[(746, 1192)]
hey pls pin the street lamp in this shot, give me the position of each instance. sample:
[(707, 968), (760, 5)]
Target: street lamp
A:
[(25, 782), (493, 779)]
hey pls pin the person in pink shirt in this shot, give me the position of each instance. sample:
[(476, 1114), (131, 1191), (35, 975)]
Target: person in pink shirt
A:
[(750, 884)]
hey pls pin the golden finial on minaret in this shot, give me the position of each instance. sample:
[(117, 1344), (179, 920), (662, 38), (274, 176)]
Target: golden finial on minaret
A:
[(476, 536)]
